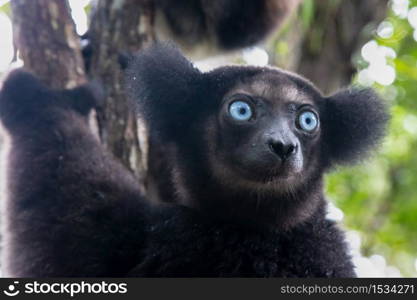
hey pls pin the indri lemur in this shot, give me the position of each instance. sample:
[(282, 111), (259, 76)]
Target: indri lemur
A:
[(206, 27), (245, 149)]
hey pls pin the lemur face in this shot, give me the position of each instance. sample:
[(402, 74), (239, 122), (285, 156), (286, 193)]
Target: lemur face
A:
[(268, 131), (241, 130)]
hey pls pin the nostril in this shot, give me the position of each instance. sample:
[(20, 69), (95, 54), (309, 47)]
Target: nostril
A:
[(290, 150), (282, 150)]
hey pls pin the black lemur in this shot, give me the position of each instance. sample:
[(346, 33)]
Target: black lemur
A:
[(208, 27), (246, 149)]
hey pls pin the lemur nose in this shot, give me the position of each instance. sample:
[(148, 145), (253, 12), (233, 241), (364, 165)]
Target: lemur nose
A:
[(283, 150)]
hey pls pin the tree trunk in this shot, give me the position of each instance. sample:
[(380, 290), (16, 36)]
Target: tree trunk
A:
[(323, 50), (50, 48), (44, 33), (117, 28), (47, 42)]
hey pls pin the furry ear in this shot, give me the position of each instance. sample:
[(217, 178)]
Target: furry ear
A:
[(354, 122), (162, 81)]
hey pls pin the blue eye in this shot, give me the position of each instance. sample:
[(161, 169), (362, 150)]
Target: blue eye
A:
[(308, 121), (240, 111)]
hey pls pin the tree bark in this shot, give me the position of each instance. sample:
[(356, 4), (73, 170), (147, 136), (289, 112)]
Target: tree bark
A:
[(47, 42), (49, 46), (45, 35), (118, 27)]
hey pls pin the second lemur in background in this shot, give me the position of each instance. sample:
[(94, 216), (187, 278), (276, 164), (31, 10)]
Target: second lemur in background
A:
[(204, 27)]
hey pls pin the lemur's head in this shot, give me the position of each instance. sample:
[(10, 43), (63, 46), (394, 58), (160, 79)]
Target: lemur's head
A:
[(253, 131)]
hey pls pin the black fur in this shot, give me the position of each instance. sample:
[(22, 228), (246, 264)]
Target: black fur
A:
[(204, 27), (69, 206), (174, 65), (73, 210), (228, 24), (356, 121)]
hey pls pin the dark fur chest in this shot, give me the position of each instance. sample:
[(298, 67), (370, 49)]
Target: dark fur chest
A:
[(183, 246)]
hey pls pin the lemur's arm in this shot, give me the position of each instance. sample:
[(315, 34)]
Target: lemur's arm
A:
[(70, 208)]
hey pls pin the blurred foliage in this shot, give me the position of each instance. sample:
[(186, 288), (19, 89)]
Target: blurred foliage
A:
[(5, 8), (379, 197)]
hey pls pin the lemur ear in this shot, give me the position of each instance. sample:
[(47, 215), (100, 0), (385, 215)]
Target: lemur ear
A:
[(353, 123), (162, 82)]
